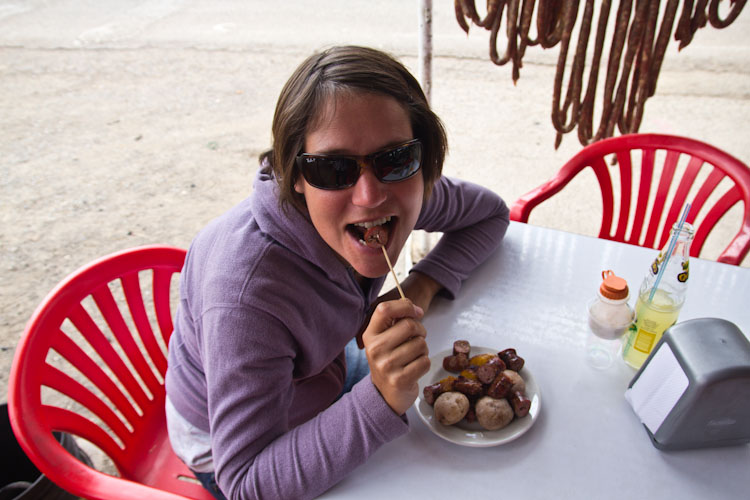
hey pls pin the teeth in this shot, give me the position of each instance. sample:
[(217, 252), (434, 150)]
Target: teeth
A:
[(378, 222)]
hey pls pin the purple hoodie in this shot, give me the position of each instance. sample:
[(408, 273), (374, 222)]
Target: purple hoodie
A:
[(266, 309)]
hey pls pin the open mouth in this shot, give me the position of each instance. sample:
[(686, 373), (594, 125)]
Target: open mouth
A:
[(359, 229)]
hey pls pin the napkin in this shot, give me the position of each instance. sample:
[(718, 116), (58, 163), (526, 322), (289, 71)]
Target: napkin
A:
[(658, 388)]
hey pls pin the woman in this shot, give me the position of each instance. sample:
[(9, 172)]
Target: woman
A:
[(274, 290)]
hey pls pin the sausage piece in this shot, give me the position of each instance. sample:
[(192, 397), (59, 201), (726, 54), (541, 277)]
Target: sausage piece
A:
[(500, 387), (461, 347), (472, 388), (495, 360), (431, 392), (376, 236), (512, 360), (487, 373), (456, 363), (521, 404)]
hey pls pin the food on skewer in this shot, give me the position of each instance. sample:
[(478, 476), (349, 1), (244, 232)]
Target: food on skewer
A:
[(377, 236), (490, 384)]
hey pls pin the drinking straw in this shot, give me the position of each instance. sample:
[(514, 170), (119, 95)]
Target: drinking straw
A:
[(670, 248)]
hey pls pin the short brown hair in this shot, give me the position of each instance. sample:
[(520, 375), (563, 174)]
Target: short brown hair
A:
[(348, 68)]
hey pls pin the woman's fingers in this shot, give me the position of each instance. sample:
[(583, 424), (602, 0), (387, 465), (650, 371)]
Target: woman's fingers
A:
[(392, 356), (397, 352), (388, 312), (410, 362), (396, 374)]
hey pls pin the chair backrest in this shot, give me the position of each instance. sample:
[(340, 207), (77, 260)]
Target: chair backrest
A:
[(89, 363), (645, 216)]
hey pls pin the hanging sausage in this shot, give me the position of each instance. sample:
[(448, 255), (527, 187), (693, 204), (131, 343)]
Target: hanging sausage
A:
[(635, 56)]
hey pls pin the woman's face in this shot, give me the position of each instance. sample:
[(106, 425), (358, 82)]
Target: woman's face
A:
[(361, 124)]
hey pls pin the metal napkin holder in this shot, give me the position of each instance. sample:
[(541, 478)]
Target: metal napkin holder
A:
[(714, 409)]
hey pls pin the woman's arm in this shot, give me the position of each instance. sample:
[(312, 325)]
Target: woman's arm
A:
[(258, 451), (473, 221)]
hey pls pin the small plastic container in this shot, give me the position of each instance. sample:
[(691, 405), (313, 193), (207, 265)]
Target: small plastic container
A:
[(609, 316)]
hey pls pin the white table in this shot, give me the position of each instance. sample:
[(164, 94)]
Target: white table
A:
[(587, 442)]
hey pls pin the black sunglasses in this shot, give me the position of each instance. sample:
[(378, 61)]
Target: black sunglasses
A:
[(341, 171)]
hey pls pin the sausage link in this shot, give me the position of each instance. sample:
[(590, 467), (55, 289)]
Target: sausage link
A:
[(456, 363), (431, 392), (461, 347), (521, 404), (469, 387), (512, 360), (500, 387), (488, 371)]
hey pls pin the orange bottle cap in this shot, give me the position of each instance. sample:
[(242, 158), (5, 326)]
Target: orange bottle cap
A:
[(613, 287)]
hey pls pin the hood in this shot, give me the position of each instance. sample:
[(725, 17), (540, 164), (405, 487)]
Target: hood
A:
[(293, 229)]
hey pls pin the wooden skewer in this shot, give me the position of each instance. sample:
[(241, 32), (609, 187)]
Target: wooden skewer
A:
[(388, 260)]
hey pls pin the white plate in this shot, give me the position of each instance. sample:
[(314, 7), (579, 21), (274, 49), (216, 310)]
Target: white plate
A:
[(466, 434)]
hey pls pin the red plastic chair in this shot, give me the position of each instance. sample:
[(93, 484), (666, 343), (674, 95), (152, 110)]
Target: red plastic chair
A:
[(85, 368), (695, 155)]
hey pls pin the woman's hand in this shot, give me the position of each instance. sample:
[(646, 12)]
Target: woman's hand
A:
[(418, 287), (397, 352)]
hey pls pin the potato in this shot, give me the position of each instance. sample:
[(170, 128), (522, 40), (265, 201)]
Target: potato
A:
[(518, 384), (451, 407), (493, 414)]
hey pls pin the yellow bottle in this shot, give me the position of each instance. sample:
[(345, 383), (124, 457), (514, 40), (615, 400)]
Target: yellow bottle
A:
[(652, 319), (656, 310)]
